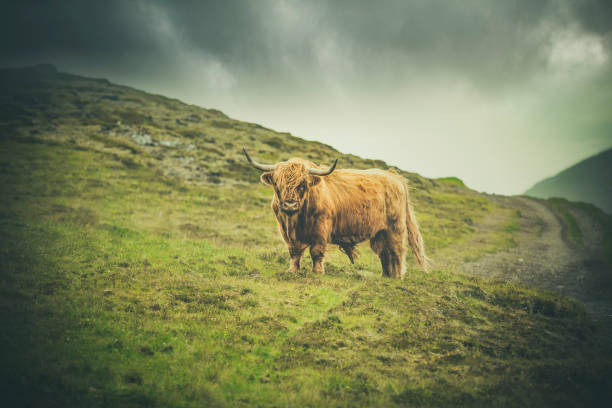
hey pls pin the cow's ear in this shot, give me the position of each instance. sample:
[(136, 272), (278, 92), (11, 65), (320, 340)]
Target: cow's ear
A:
[(266, 178), (314, 180)]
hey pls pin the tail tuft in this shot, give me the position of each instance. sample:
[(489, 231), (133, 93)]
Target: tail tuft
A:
[(415, 240)]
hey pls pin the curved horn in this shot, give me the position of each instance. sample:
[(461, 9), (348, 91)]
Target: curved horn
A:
[(321, 172), (259, 166)]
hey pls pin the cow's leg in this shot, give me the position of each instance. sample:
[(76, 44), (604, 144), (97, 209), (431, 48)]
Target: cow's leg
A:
[(389, 246), (394, 245), (319, 243), (397, 254), (379, 245), (397, 268), (350, 251), (296, 254), (317, 253), (385, 262)]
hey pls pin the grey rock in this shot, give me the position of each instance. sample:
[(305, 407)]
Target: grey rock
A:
[(169, 143), (143, 139)]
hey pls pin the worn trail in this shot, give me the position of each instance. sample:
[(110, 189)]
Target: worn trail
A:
[(550, 261)]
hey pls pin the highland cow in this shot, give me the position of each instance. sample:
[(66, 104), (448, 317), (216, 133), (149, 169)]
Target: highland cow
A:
[(315, 207)]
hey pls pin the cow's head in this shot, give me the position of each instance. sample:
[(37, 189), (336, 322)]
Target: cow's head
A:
[(291, 180)]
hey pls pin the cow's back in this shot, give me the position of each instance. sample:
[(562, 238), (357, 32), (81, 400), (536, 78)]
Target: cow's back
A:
[(363, 202)]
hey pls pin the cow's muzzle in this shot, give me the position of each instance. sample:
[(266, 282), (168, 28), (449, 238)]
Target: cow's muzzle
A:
[(290, 207)]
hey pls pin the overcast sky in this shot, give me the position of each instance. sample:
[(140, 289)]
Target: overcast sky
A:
[(498, 93)]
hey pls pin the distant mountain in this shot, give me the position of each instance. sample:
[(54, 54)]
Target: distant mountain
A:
[(589, 181)]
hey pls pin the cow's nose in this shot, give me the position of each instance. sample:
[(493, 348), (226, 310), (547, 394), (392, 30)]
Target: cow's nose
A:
[(290, 205)]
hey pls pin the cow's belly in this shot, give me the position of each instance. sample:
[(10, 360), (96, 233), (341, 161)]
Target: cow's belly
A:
[(355, 231), (348, 239)]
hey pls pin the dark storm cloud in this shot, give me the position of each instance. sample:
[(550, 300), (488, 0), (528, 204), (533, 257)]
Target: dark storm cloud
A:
[(594, 15), (103, 30), (482, 40), (225, 28), (479, 39)]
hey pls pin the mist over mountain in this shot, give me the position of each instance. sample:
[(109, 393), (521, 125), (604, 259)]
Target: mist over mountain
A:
[(588, 181)]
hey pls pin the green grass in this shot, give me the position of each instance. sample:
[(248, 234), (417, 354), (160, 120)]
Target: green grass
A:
[(123, 285), (451, 180), (108, 295)]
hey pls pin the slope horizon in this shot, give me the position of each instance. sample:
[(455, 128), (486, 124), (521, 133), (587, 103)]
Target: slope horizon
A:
[(349, 148), (230, 116)]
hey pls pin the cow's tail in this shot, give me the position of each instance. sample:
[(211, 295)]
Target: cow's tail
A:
[(415, 240)]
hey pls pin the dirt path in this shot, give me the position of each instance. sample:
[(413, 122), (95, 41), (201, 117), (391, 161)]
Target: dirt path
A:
[(549, 261)]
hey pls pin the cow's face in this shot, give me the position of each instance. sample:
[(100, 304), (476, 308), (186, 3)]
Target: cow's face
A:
[(291, 182)]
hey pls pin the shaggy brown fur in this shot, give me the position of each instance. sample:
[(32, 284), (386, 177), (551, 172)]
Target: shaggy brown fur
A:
[(344, 208)]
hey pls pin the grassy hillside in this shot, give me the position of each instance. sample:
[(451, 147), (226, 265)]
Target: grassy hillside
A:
[(588, 181), (141, 266)]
